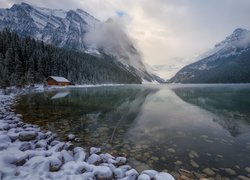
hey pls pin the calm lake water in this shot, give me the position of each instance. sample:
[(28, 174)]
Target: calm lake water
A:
[(164, 127)]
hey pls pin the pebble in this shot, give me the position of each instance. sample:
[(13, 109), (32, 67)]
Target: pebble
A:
[(194, 164), (171, 150), (247, 169), (243, 177), (230, 171), (27, 135), (178, 162), (208, 171)]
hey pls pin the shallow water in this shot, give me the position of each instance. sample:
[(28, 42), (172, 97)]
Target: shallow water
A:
[(156, 126)]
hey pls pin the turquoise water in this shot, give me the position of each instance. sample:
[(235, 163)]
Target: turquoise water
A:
[(164, 127)]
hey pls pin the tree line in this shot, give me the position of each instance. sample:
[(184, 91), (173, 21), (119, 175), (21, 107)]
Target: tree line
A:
[(28, 61)]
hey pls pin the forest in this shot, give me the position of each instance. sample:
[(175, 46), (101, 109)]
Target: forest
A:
[(25, 61)]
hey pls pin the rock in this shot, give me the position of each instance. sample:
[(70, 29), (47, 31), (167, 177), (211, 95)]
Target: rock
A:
[(80, 155), (94, 159), (54, 163), (163, 176), (5, 141), (25, 146), (208, 172), (132, 174), (27, 135), (171, 150), (178, 162), (125, 167), (247, 169), (41, 144), (12, 134), (150, 173), (194, 164), (95, 150), (243, 177), (230, 171), (119, 173), (155, 158), (66, 156), (195, 154), (71, 137), (121, 161), (102, 172), (4, 126), (144, 177)]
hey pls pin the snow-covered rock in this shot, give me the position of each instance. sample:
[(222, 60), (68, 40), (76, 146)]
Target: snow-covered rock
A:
[(132, 174), (102, 172), (144, 177), (71, 137), (94, 159), (150, 173), (95, 150), (163, 176)]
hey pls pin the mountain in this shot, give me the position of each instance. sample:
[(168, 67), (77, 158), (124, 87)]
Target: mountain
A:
[(27, 61), (227, 62), (77, 30)]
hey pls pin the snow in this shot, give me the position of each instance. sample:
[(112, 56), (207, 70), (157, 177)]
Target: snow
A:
[(27, 152), (59, 79)]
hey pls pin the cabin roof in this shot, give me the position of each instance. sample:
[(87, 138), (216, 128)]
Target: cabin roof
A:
[(59, 79)]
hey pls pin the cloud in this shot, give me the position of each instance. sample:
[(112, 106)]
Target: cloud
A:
[(165, 29)]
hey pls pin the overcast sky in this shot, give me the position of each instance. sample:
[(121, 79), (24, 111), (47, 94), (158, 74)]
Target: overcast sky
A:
[(169, 32)]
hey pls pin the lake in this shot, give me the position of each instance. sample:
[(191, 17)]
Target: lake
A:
[(163, 127)]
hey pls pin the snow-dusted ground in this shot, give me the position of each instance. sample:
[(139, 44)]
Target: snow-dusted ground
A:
[(27, 152)]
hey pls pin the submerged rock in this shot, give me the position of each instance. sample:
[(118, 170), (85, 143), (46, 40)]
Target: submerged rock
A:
[(247, 169), (194, 164), (230, 171), (171, 150), (208, 172)]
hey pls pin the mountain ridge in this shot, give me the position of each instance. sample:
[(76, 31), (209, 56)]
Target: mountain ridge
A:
[(75, 29), (228, 62)]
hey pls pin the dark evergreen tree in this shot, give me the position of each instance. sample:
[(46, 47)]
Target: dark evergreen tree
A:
[(26, 61)]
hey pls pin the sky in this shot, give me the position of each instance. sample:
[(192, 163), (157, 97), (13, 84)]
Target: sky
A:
[(168, 33)]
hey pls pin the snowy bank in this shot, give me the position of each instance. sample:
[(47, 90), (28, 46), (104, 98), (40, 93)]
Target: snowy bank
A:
[(27, 152)]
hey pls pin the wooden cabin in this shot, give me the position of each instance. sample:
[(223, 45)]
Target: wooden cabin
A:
[(58, 81)]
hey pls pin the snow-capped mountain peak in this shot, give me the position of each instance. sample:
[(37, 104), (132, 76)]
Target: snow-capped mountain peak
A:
[(239, 37), (70, 28), (232, 52)]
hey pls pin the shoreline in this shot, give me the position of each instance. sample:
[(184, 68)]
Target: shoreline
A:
[(27, 152)]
